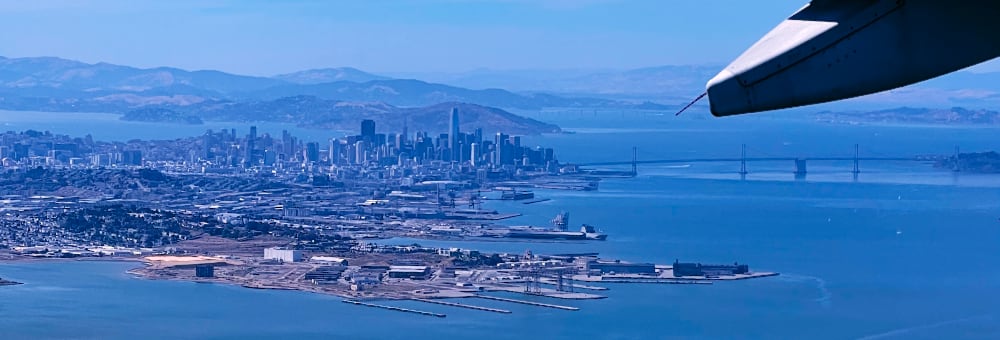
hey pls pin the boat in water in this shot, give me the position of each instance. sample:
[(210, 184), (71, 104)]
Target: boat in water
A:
[(558, 232), (515, 195)]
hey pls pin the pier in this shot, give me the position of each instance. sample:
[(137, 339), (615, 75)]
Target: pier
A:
[(398, 309), (551, 282), (660, 281), (460, 305), (530, 303)]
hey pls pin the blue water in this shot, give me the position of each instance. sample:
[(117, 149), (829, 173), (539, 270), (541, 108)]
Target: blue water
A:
[(907, 251)]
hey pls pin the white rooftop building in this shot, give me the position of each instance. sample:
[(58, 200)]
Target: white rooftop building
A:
[(282, 254)]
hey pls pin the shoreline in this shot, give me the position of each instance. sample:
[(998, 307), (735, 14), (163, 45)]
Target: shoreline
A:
[(139, 274), (394, 290)]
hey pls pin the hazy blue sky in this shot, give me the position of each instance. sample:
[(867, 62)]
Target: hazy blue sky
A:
[(269, 37)]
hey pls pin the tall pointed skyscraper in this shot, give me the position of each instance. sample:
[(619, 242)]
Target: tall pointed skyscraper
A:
[(456, 150), (405, 134)]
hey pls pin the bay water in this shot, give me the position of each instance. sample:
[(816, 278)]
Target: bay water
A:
[(904, 251)]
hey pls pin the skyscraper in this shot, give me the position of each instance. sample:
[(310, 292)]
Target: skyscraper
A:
[(286, 143), (453, 137), (206, 146), (251, 145), (474, 153), (368, 130), (361, 153), (404, 135), (311, 153), (334, 152), (498, 146)]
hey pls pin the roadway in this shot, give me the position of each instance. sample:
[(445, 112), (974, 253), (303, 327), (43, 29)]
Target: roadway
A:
[(752, 159)]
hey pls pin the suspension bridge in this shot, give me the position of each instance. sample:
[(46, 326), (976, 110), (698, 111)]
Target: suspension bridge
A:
[(799, 162)]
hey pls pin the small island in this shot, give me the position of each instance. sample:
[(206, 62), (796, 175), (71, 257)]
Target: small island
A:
[(910, 115), (8, 282), (976, 162), (161, 115)]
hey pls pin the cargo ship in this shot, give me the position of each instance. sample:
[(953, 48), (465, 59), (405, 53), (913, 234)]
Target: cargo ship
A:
[(515, 195), (586, 233), (559, 232)]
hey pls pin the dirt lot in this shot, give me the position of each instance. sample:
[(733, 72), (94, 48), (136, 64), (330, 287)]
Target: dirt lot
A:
[(213, 245)]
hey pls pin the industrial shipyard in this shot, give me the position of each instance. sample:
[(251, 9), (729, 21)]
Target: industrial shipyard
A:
[(268, 212)]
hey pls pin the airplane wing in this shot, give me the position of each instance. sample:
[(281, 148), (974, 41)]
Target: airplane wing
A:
[(837, 49)]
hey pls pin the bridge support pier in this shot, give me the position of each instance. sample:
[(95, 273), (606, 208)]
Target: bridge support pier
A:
[(743, 162), (957, 166), (800, 168), (857, 161), (635, 171)]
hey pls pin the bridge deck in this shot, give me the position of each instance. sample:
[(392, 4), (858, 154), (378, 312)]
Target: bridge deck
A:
[(754, 159)]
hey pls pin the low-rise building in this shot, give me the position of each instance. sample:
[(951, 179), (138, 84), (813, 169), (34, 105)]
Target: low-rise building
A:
[(330, 260), (619, 267), (204, 271), (282, 254), (698, 269), (409, 272)]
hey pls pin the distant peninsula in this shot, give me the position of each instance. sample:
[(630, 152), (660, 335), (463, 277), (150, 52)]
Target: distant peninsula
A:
[(976, 162), (314, 112), (909, 115), (7, 282), (160, 115)]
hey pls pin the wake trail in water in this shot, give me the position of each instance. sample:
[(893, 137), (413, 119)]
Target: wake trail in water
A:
[(908, 330), (825, 298)]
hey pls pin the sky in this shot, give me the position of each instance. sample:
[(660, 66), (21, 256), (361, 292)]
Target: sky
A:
[(265, 38)]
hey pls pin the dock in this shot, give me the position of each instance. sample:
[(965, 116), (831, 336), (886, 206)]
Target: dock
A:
[(530, 303), (546, 292), (482, 217), (460, 305), (398, 309), (540, 200), (551, 282), (266, 286), (660, 281)]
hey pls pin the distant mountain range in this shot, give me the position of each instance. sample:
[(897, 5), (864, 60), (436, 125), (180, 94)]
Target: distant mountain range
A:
[(662, 83), (678, 84), (36, 76), (66, 85), (332, 98), (408, 92), (329, 75), (55, 84)]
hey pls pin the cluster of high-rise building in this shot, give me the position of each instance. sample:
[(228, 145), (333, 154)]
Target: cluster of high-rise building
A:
[(228, 151), (378, 149), (37, 148)]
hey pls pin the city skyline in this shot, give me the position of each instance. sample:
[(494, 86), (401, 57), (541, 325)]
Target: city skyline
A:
[(225, 148)]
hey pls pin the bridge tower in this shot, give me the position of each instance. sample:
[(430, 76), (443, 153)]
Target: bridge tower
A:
[(634, 170), (743, 160), (957, 165), (857, 157), (800, 168)]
